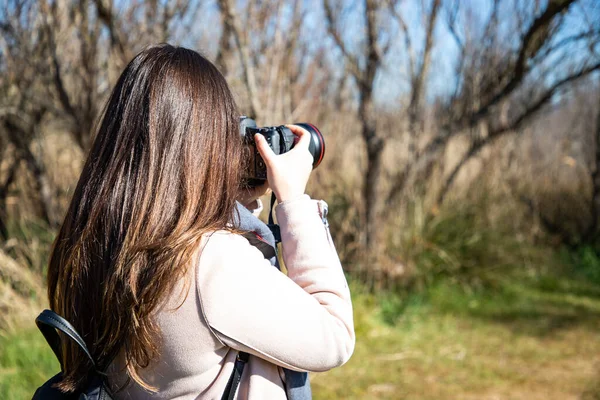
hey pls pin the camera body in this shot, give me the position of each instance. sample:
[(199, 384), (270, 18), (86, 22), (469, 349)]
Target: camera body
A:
[(281, 140)]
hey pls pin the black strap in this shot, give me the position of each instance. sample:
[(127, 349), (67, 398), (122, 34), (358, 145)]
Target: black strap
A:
[(48, 322), (236, 376), (272, 225)]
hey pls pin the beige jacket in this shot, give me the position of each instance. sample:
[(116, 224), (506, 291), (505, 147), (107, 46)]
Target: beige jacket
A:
[(238, 301)]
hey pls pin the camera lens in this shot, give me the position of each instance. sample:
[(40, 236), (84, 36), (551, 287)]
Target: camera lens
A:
[(317, 142)]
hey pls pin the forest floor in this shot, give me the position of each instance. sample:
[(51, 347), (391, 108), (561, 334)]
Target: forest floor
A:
[(533, 339), (527, 340)]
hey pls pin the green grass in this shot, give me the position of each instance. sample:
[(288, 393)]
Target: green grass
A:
[(534, 339), (520, 341), (26, 362)]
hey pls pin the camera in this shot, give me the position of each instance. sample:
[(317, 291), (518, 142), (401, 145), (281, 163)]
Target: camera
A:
[(281, 140)]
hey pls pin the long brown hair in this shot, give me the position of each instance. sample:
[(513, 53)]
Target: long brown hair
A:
[(163, 170)]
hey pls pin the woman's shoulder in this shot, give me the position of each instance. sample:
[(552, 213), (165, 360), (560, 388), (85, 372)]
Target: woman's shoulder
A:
[(226, 245), (226, 258), (223, 237)]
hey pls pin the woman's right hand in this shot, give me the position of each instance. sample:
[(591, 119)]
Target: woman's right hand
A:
[(287, 173)]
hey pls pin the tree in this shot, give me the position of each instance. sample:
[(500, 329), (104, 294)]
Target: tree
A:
[(537, 46), (271, 56), (500, 88), (23, 105), (418, 70), (363, 64), (58, 62)]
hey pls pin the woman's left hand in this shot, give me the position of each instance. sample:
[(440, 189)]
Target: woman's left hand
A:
[(249, 195)]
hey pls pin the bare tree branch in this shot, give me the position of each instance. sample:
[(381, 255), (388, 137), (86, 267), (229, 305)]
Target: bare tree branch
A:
[(224, 52), (231, 18), (412, 59), (501, 83), (569, 40), (418, 80), (117, 40), (351, 60), (530, 45), (513, 125), (451, 23)]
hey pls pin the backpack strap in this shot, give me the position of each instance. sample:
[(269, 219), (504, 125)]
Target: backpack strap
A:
[(236, 376), (48, 322)]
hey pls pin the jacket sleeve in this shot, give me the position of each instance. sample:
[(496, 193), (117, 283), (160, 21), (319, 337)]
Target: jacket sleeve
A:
[(302, 321)]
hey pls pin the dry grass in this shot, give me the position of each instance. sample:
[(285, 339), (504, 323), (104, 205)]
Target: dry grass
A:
[(20, 291)]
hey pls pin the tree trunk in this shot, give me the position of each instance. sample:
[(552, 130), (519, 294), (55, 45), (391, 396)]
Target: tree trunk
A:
[(225, 49), (43, 188), (12, 172), (374, 145), (593, 228), (41, 182), (415, 109), (371, 192)]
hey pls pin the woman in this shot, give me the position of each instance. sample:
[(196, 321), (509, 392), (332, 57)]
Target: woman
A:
[(149, 268)]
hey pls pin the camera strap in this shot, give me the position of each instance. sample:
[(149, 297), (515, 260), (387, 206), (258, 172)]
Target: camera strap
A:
[(272, 225)]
